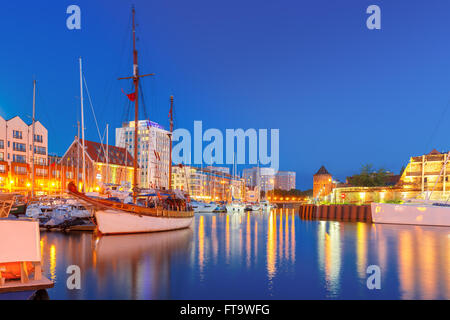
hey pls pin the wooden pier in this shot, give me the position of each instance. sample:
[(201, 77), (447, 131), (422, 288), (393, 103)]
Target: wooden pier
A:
[(336, 212)]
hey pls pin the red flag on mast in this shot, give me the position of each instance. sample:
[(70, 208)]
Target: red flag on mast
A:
[(131, 96)]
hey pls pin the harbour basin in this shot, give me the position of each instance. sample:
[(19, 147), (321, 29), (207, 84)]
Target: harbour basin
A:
[(253, 255)]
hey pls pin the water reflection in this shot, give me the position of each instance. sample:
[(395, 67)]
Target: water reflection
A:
[(254, 255), (420, 255), (141, 261), (329, 247)]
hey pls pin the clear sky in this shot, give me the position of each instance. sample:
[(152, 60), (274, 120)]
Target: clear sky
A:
[(341, 95)]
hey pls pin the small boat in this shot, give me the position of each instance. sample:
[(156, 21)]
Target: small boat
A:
[(235, 206), (19, 206), (20, 257), (201, 207), (6, 202), (221, 207), (266, 206)]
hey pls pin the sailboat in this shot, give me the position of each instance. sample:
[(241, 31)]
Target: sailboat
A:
[(235, 205), (159, 211), (414, 212)]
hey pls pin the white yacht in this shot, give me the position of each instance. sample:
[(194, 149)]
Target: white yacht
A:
[(266, 206), (427, 214), (235, 206), (201, 207)]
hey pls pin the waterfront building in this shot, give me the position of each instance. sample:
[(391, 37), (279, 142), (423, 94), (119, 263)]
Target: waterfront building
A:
[(16, 152), (153, 151), (285, 180), (322, 183), (420, 179), (207, 184), (262, 178), (104, 165), (225, 170)]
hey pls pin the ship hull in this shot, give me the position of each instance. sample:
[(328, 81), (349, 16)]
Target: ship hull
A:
[(235, 208), (205, 208), (412, 214), (117, 222)]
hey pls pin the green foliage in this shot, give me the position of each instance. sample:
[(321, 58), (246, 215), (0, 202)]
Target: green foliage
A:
[(369, 177), (290, 193), (394, 201)]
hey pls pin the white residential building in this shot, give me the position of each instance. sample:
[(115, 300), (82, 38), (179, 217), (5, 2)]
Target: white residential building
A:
[(263, 178), (16, 141), (16, 152), (285, 180), (153, 151)]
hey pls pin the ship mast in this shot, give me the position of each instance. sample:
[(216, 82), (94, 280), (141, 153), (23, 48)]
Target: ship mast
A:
[(135, 78), (170, 138), (32, 152)]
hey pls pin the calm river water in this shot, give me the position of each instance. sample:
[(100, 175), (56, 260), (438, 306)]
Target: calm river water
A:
[(253, 256)]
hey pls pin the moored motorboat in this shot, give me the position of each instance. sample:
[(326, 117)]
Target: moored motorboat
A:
[(201, 207), (266, 206), (235, 206)]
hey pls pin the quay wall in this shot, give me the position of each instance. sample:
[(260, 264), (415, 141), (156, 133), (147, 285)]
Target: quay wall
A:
[(336, 212)]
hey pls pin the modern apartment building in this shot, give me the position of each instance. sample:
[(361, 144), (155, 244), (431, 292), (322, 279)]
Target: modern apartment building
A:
[(207, 184), (285, 180), (153, 151), (263, 178)]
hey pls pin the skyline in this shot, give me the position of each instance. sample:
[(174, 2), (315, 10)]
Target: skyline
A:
[(375, 109)]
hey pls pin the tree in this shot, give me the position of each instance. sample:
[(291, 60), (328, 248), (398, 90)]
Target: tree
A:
[(369, 177)]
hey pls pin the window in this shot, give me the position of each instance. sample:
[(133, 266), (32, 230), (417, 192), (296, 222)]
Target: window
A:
[(41, 172), (40, 150), (38, 138), (19, 158), (20, 170), (1, 156), (17, 134), (2, 168), (19, 147), (40, 161), (2, 144)]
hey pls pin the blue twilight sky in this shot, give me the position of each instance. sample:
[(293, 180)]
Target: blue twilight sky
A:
[(341, 95)]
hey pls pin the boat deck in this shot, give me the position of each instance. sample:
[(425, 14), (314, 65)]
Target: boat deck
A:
[(30, 285)]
